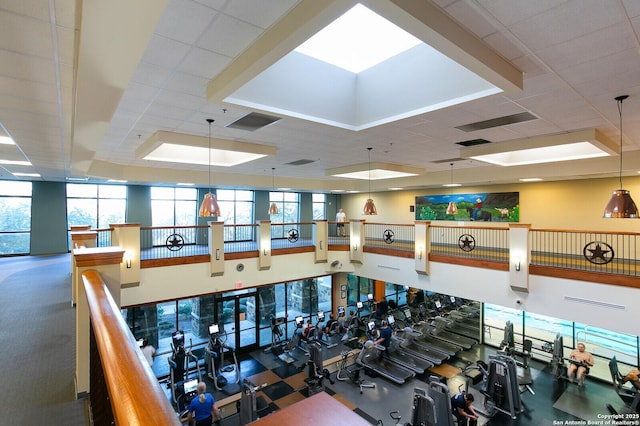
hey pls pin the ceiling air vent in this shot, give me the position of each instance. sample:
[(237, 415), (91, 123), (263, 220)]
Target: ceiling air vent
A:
[(497, 122), (253, 121), (300, 162), (473, 142)]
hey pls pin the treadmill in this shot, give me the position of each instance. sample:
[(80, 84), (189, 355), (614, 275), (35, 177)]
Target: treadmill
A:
[(396, 354), (453, 325), (409, 345), (439, 331), (368, 358), (424, 338)]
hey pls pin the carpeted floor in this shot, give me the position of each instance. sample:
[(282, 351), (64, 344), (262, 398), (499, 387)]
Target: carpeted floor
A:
[(37, 354)]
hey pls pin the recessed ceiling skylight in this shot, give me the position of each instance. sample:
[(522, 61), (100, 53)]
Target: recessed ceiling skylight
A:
[(358, 40), (6, 140), (376, 174)]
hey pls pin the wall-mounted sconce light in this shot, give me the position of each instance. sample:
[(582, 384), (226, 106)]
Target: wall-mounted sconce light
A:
[(127, 260), (321, 245), (517, 264), (217, 254), (420, 252), (265, 252), (355, 247)]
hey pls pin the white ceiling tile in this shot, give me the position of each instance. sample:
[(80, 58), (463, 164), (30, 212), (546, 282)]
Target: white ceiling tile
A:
[(228, 36), (185, 20)]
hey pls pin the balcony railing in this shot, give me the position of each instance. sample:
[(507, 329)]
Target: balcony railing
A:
[(588, 251), (389, 237), (579, 251), (471, 242)]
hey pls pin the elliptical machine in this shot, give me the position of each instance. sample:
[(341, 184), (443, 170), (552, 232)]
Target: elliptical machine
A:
[(181, 382), (216, 364), (280, 346), (352, 374)]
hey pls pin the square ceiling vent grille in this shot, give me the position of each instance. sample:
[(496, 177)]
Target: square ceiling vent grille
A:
[(253, 121)]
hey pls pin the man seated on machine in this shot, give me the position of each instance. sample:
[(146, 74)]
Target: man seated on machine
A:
[(579, 362), (331, 326)]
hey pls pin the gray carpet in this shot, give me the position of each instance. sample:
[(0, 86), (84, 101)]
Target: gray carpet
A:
[(37, 349)]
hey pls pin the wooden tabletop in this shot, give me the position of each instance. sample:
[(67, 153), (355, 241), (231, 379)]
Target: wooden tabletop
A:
[(317, 410)]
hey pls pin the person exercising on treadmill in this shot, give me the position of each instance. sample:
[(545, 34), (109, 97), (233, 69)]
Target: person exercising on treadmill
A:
[(385, 338)]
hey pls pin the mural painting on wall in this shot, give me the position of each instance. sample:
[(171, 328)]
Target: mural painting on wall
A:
[(483, 206)]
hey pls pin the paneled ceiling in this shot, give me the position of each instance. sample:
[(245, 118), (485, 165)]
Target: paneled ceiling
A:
[(84, 84)]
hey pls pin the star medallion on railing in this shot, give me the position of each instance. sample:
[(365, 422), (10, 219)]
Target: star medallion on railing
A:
[(597, 253), (466, 242), (292, 235), (387, 235), (175, 242)]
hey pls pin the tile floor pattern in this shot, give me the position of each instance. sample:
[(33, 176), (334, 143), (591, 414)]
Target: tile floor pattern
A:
[(285, 385)]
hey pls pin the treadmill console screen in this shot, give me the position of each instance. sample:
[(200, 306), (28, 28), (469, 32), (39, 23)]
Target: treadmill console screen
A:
[(191, 387), (214, 329), (371, 325), (391, 320), (320, 316), (359, 305)]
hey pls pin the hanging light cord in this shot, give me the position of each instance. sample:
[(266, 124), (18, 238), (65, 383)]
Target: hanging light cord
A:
[(210, 120), (369, 172), (620, 99)]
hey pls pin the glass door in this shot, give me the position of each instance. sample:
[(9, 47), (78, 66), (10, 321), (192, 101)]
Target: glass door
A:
[(237, 319)]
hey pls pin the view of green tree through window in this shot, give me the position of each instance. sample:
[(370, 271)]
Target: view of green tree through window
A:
[(15, 210), (96, 205)]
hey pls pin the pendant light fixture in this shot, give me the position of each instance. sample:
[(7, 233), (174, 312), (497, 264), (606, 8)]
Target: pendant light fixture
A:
[(621, 205), (452, 208), (209, 206), (369, 208), (273, 209)]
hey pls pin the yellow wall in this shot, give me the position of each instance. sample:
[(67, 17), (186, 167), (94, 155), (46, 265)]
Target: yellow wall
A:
[(563, 205)]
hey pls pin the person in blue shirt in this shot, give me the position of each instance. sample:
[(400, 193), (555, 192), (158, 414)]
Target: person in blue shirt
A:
[(385, 338), (202, 408), (462, 409)]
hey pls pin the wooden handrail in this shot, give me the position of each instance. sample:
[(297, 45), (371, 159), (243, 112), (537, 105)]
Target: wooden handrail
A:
[(135, 394)]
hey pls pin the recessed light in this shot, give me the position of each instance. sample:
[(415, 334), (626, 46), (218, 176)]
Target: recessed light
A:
[(26, 174), (15, 162), (116, 181), (530, 179), (451, 185)]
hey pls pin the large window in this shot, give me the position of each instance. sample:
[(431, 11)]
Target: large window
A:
[(96, 205), (237, 208), (319, 206), (173, 206), (288, 204), (358, 290), (15, 219), (542, 330)]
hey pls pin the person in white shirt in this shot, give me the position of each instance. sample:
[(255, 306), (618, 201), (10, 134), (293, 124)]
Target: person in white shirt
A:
[(148, 351), (341, 218)]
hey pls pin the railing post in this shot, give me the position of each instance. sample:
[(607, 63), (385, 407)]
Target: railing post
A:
[(216, 248), (264, 244), (422, 246), (320, 237), (356, 240), (127, 237), (105, 260), (519, 255), (81, 237)]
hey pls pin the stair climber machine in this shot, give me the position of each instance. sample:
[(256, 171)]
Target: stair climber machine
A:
[(184, 372), (220, 360), (281, 347)]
